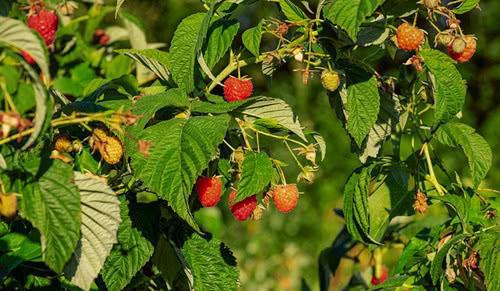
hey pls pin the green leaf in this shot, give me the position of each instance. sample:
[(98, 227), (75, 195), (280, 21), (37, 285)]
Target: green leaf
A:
[(148, 105), (449, 88), (212, 264), (220, 37), (100, 221), (51, 202), (437, 262), (350, 14), (180, 151), (292, 11), (21, 248), (155, 60), (136, 244), (43, 108), (460, 205), (183, 51), (275, 110), (391, 199), (361, 102), (252, 38), (137, 38), (414, 252), (466, 6), (476, 149), (356, 211), (489, 252), (388, 119), (256, 174), (16, 34), (217, 108)]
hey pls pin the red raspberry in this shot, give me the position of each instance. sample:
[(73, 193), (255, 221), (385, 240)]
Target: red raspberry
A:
[(467, 53), (236, 89), (45, 22), (101, 37), (209, 190), (243, 209), (104, 40), (383, 276), (409, 37), (27, 57), (285, 197)]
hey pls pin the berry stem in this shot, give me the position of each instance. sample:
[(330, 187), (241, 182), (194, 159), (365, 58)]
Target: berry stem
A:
[(432, 176), (285, 138), (253, 60), (67, 120), (294, 156)]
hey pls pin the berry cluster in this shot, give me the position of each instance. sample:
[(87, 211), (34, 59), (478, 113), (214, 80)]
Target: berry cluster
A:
[(209, 191)]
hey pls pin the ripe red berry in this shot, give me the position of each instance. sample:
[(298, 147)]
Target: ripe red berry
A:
[(409, 37), (45, 22), (27, 57), (285, 197), (209, 190), (104, 40), (236, 89), (467, 53), (383, 276), (243, 209)]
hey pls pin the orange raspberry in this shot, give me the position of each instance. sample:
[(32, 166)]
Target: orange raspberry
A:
[(409, 37)]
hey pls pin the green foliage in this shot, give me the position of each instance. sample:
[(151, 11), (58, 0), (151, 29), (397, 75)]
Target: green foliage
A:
[(256, 174), (180, 151), (476, 149), (252, 38), (51, 203), (221, 273), (100, 221), (104, 137), (487, 247), (183, 51), (135, 246), (350, 14), (447, 82)]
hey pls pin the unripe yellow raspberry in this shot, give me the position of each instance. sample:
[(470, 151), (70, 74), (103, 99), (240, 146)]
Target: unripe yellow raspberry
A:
[(112, 150), (62, 143), (8, 205), (330, 80), (99, 134)]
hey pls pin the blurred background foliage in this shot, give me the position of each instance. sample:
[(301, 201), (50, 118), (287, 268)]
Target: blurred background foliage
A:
[(280, 251)]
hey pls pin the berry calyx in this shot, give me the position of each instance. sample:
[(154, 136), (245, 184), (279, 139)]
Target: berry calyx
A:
[(45, 22), (28, 58), (409, 37), (236, 89), (209, 190), (243, 209), (285, 197), (431, 4), (467, 53), (330, 80)]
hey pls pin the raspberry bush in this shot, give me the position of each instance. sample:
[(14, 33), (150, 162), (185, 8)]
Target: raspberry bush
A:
[(110, 144)]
